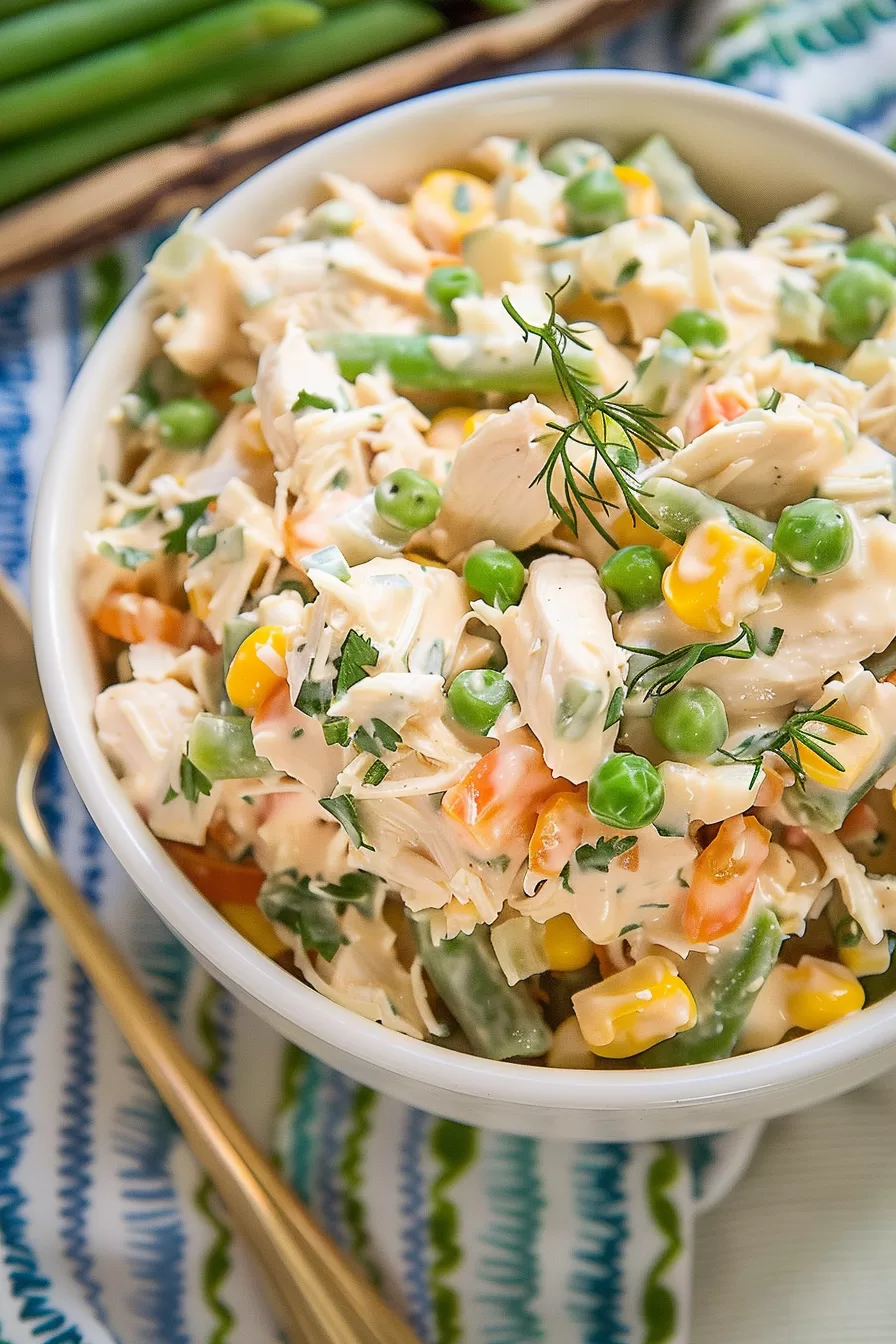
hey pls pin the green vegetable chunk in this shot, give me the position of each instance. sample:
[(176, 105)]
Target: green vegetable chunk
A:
[(477, 697), (871, 247), (444, 284), (594, 201), (407, 501), (499, 1020), (635, 575), (221, 747), (698, 328), (124, 73), (412, 362), (626, 791), (574, 156), (496, 575), (690, 721), (814, 537), (857, 298), (723, 1000), (877, 987), (332, 219), (187, 422)]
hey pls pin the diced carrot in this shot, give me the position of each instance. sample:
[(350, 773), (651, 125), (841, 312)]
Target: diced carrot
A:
[(220, 881), (308, 530), (559, 831), (713, 408), (497, 802), (723, 880), (631, 859), (134, 619)]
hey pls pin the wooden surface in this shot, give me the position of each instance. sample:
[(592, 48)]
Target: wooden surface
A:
[(165, 180)]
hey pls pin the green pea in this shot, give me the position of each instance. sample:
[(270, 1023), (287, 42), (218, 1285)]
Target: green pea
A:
[(496, 575), (594, 201), (857, 298), (333, 219), (698, 328), (477, 697), (871, 247), (447, 283), (635, 575), (187, 422), (814, 537), (570, 158), (690, 721), (407, 501), (626, 792)]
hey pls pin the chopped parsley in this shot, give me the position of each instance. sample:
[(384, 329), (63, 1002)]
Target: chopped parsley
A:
[(336, 732), (629, 928), (628, 271), (128, 557), (376, 774), (170, 795), (385, 734), (176, 541), (311, 401), (314, 698), (340, 480), (598, 857), (364, 741), (135, 516), (298, 732), (357, 655), (192, 781), (310, 908), (614, 708), (346, 813)]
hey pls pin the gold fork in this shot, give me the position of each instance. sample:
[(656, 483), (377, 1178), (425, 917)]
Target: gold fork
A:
[(317, 1294)]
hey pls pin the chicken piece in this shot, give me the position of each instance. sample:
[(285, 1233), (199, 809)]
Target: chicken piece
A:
[(138, 725), (864, 479), (490, 492), (297, 833), (383, 227), (705, 793), (765, 460), (294, 743), (284, 370), (827, 624), (563, 663), (750, 285), (662, 284), (812, 383)]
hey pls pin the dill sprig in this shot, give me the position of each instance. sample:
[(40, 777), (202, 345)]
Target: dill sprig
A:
[(579, 489), (672, 667), (785, 742)]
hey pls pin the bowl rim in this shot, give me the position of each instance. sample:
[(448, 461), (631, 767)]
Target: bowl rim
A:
[(194, 920)]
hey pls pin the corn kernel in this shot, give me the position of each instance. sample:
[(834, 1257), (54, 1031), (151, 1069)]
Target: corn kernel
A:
[(565, 946), (866, 958), (476, 421), (717, 577), (446, 429), (258, 668), (854, 752), (448, 205), (641, 193), (251, 923), (635, 1008), (199, 599), (821, 992)]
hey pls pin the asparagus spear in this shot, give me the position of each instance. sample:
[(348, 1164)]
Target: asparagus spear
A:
[(118, 76), (10, 7), (58, 32), (270, 69), (431, 364)]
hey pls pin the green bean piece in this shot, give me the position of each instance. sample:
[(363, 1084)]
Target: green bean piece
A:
[(60, 32), (877, 987), (412, 361), (10, 7), (724, 1001), (135, 69), (350, 38), (221, 747), (499, 1020), (677, 509)]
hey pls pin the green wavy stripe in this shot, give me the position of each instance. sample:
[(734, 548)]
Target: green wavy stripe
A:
[(659, 1305), (351, 1170), (292, 1070), (454, 1147), (217, 1263)]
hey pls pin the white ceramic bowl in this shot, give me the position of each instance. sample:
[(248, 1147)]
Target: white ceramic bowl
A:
[(754, 156)]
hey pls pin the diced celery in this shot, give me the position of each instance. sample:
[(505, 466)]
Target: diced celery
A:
[(221, 747)]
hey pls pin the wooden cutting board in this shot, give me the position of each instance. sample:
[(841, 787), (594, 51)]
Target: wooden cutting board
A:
[(165, 180)]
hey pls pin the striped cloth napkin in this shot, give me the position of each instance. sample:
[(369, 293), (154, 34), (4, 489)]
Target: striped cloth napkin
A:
[(110, 1231)]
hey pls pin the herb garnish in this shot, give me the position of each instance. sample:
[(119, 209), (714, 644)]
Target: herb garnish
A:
[(310, 400), (376, 774), (128, 557), (357, 655), (310, 907), (785, 743), (599, 856), (628, 271), (335, 732), (672, 667), (637, 423), (192, 780), (134, 516), (176, 541), (614, 708), (386, 734), (346, 813)]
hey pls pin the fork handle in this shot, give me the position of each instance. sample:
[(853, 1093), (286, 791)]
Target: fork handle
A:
[(312, 1279)]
